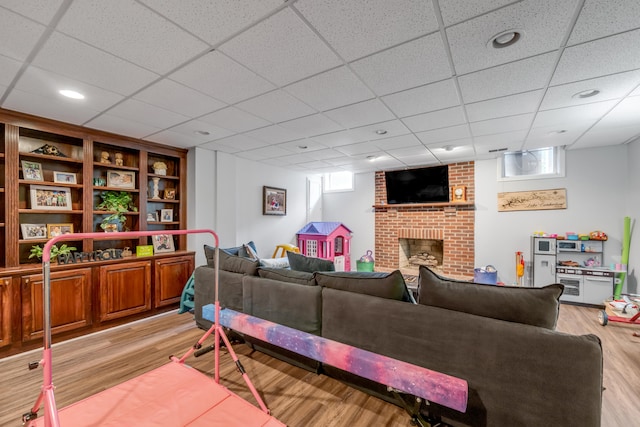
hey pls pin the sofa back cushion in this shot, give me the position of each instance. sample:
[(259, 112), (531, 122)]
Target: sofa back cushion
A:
[(383, 285), (300, 262), (285, 275), (232, 263), (531, 306)]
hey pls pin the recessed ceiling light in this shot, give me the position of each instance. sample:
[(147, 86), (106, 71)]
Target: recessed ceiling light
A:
[(202, 132), (448, 148), (586, 93), (505, 39), (372, 158), (557, 132), (381, 132), (303, 147), (71, 94)]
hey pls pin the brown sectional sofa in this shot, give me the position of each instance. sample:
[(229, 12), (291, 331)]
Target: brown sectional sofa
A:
[(520, 371)]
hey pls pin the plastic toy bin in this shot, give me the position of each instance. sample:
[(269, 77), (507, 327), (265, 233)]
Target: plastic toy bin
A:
[(364, 265), (480, 275)]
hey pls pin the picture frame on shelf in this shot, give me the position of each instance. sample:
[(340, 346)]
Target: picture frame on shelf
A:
[(166, 215), (33, 231), (54, 230), (152, 217), (31, 171), (121, 179), (170, 194), (64, 177), (162, 243), (274, 201), (50, 198)]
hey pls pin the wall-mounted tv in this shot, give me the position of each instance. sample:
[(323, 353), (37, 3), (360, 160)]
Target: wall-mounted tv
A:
[(424, 185)]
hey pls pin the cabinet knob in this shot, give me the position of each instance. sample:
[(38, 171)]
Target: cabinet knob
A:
[(5, 282)]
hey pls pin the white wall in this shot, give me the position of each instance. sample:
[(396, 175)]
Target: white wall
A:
[(201, 177), (633, 211), (596, 200), (354, 210)]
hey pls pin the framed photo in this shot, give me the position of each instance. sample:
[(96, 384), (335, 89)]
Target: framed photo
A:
[(64, 177), (162, 243), (121, 179), (152, 216), (33, 231), (170, 194), (50, 198), (166, 215), (274, 201), (31, 171), (54, 230)]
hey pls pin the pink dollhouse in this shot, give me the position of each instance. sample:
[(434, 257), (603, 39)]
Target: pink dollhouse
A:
[(327, 240)]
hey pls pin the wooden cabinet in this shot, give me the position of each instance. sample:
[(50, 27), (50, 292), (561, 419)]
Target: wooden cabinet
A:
[(6, 308), (70, 302), (171, 274), (125, 289)]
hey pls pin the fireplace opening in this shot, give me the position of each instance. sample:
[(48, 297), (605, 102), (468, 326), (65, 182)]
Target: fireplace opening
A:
[(416, 252)]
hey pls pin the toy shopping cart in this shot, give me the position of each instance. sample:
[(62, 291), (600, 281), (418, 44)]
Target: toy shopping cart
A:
[(626, 309)]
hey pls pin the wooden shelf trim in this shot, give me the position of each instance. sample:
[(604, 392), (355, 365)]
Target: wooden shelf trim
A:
[(153, 175), (50, 211), (50, 184), (112, 166), (52, 158), (128, 190)]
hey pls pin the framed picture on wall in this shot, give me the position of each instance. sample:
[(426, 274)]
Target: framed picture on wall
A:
[(274, 201)]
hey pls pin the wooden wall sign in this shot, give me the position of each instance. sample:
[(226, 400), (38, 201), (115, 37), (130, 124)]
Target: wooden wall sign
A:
[(532, 200)]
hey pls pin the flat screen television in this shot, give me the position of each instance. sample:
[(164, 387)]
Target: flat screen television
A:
[(424, 185)]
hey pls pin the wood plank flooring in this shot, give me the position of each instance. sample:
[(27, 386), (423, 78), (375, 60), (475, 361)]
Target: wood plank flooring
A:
[(86, 365)]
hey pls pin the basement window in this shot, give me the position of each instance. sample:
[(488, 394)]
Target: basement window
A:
[(337, 181), (531, 164)]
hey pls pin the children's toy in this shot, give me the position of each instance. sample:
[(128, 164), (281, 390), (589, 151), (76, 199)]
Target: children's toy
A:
[(326, 240), (625, 309)]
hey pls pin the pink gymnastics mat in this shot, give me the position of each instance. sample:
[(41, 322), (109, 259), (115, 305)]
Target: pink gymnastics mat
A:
[(171, 395)]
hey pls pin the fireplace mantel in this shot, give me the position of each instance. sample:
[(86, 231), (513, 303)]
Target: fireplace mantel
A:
[(421, 205)]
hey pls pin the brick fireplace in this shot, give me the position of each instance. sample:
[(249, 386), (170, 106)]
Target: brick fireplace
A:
[(397, 227)]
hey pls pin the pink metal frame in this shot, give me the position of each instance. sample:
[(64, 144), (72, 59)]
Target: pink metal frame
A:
[(46, 395)]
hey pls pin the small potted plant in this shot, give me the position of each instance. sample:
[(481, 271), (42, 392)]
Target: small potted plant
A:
[(117, 203), (36, 251)]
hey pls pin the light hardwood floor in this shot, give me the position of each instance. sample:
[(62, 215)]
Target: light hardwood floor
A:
[(296, 397)]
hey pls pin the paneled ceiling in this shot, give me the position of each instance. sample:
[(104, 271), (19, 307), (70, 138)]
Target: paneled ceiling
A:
[(329, 85)]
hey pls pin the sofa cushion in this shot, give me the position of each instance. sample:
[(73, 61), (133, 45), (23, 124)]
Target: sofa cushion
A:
[(291, 276), (531, 306), (232, 263), (384, 285), (300, 262)]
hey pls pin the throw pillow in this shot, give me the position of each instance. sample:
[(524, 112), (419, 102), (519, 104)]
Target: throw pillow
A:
[(291, 276), (229, 262), (383, 285), (530, 306), (300, 262), (251, 253), (275, 262)]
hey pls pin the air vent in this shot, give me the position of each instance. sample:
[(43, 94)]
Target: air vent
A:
[(496, 150)]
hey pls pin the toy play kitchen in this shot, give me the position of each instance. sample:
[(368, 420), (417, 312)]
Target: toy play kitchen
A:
[(576, 261)]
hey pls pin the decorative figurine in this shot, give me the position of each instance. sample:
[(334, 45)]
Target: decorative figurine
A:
[(160, 168), (156, 189), (119, 161), (104, 158), (49, 150)]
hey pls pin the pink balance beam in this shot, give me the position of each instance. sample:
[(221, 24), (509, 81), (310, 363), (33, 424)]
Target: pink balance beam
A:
[(415, 380)]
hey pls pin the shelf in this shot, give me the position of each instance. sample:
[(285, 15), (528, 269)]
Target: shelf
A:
[(163, 222), (50, 184), (112, 166), (153, 175), (163, 201), (129, 190), (112, 212), (50, 211), (52, 158)]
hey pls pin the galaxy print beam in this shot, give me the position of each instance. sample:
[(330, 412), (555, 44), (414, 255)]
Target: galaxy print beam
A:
[(415, 380)]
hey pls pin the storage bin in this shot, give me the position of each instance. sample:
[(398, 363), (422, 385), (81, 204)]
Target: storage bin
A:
[(480, 275), (364, 265)]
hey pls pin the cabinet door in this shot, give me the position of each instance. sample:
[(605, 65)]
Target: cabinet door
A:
[(171, 274), (70, 302), (125, 289), (597, 289), (5, 311), (544, 270)]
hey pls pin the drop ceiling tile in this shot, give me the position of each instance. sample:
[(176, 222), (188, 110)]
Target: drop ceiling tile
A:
[(565, 117), (542, 22), (297, 146), (234, 119), (435, 96), (454, 11), (278, 162), (47, 84), (521, 103), (416, 150), (598, 137), (313, 165), (194, 129), (283, 49), (240, 142), (516, 77), (385, 162), (222, 78), (510, 140), (459, 154), (435, 120), (178, 98), (325, 154), (174, 139), (39, 10), (501, 125), (359, 148), (316, 124), (370, 132), (131, 31), (360, 27), (276, 106), (8, 69), (336, 139), (274, 134), (423, 160), (626, 113), (409, 65), (122, 126), (611, 87), (64, 110), (361, 114), (636, 92), (263, 153), (444, 134), (331, 89), (550, 137), (213, 21), (601, 57), (148, 114), (69, 57), (621, 15), (397, 142), (450, 145), (297, 158), (217, 146), (18, 35)]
